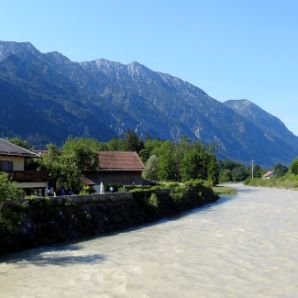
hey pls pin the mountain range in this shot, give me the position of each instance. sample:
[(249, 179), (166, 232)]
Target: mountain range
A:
[(45, 97)]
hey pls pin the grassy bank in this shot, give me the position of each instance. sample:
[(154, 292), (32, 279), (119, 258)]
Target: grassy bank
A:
[(289, 181), (224, 190)]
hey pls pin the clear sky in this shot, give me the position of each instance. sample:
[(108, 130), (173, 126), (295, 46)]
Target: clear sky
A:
[(231, 49)]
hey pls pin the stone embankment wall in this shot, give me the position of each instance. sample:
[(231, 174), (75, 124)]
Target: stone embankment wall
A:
[(50, 220)]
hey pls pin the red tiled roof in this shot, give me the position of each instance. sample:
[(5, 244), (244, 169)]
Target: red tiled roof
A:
[(116, 160), (87, 181)]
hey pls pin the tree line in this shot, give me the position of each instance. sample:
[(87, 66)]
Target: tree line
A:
[(164, 160)]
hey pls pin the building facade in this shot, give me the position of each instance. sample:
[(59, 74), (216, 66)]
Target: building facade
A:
[(117, 167), (12, 161)]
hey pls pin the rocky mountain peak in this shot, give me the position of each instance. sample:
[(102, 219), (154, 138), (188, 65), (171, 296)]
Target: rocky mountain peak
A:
[(8, 48), (58, 57)]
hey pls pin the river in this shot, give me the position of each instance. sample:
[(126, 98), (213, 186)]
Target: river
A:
[(241, 246)]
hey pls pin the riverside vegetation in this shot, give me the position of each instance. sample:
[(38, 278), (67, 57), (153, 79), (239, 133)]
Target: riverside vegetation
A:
[(191, 167), (43, 221), (283, 177)]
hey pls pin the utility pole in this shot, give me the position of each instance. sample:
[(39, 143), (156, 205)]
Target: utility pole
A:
[(252, 169)]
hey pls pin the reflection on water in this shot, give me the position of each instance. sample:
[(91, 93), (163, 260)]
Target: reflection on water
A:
[(240, 247)]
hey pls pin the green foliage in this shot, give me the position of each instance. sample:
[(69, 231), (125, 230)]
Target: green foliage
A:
[(175, 196), (86, 190), (212, 169), (294, 167), (166, 169), (169, 185), (239, 173), (31, 198), (8, 193), (223, 190), (65, 166), (234, 171), (153, 200), (80, 152), (115, 145), (197, 182), (225, 175), (179, 193), (165, 160), (132, 142), (280, 170), (288, 181), (151, 168), (19, 142)]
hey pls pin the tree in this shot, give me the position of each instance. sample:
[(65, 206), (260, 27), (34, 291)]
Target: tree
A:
[(225, 175), (166, 170), (151, 168), (239, 174), (212, 169), (132, 142), (189, 166), (115, 145), (19, 142), (79, 152), (8, 193), (51, 162), (294, 167), (280, 170), (66, 166)]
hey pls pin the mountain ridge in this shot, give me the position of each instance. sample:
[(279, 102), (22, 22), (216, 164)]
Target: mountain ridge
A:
[(103, 99)]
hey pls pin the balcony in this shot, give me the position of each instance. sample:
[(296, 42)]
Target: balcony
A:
[(29, 176)]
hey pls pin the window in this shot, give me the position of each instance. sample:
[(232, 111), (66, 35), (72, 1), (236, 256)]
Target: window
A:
[(6, 165)]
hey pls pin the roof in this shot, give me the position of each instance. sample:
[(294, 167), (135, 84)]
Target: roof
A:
[(119, 161), (268, 174), (7, 148), (87, 181), (40, 152)]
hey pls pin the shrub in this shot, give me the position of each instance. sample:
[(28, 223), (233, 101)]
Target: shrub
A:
[(9, 193), (179, 193), (153, 200), (294, 167)]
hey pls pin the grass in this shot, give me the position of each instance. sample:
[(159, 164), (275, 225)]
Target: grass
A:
[(224, 190), (288, 181)]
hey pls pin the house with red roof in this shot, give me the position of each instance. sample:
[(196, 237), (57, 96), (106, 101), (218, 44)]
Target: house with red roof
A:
[(116, 167), (268, 175)]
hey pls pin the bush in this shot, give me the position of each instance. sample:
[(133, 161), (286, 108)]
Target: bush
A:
[(168, 185), (294, 167), (197, 182), (9, 193), (86, 190), (179, 193), (153, 200)]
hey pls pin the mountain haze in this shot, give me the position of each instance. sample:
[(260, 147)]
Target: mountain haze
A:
[(46, 97)]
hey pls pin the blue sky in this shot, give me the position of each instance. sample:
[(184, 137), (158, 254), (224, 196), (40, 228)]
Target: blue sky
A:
[(230, 49)]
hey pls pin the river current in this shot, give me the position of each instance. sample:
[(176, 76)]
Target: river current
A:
[(241, 246)]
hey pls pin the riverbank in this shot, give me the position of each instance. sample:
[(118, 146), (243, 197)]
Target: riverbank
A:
[(288, 181), (45, 221), (224, 190)]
